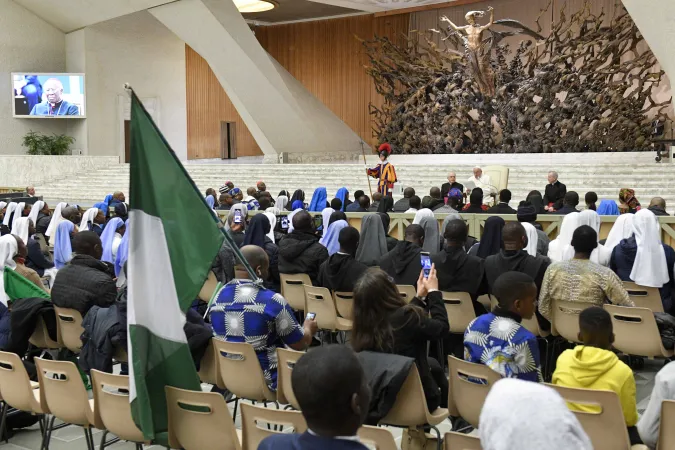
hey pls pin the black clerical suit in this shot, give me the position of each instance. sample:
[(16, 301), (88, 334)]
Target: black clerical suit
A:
[(555, 193), (446, 187), (501, 208)]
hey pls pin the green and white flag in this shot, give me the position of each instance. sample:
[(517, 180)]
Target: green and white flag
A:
[(174, 239)]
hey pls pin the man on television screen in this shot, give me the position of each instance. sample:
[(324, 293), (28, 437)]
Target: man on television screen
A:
[(54, 105)]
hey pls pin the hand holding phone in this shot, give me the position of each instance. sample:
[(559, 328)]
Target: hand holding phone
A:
[(237, 216), (426, 263), (426, 283), (310, 325), (311, 316)]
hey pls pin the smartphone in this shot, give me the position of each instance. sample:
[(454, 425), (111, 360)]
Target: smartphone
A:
[(237, 216), (311, 316), (426, 263), (284, 223), (318, 221)]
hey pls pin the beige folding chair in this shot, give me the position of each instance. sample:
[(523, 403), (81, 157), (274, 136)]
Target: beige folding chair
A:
[(209, 287), (469, 385), (407, 292), (459, 441), (636, 332), (667, 432), (15, 386), (606, 428), (241, 372), (565, 318), (40, 337), (344, 302), (486, 301), (69, 325), (286, 360), (64, 396), (200, 420), (410, 409), (320, 301), (251, 431), (208, 367), (113, 412), (460, 310), (293, 289), (378, 438), (644, 297)]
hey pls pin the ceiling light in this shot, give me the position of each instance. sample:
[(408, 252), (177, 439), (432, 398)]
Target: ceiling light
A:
[(253, 6)]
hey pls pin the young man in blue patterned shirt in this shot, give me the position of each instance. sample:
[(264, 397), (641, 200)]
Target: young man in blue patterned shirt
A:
[(245, 311), (498, 339)]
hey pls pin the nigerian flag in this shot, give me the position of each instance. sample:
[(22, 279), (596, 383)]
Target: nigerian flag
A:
[(174, 238)]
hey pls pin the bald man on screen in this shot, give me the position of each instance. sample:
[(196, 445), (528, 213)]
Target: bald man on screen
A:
[(54, 104)]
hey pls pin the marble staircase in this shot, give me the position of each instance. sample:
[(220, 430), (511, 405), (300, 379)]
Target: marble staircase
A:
[(648, 179)]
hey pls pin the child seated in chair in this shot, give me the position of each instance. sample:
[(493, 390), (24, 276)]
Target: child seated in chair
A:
[(593, 365)]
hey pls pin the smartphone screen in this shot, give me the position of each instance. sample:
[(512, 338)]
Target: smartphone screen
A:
[(318, 221), (311, 316), (284, 223), (426, 263), (237, 216)]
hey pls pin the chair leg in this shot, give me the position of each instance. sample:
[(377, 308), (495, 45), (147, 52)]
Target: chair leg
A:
[(139, 446), (439, 441), (88, 438), (3, 422), (236, 403), (105, 434), (48, 432)]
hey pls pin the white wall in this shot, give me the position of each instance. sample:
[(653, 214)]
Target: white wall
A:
[(27, 43)]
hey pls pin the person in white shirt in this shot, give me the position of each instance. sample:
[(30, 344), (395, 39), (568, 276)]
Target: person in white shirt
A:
[(415, 204), (484, 182), (664, 389)]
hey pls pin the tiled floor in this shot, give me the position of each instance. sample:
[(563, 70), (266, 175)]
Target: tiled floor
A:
[(72, 437)]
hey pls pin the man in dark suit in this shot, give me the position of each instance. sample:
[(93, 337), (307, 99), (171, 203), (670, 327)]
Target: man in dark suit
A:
[(452, 184), (569, 204), (404, 204), (554, 195), (503, 206)]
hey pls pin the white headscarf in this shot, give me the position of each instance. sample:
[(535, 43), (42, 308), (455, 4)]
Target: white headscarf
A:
[(524, 415), (424, 212), (17, 213), (57, 218), (622, 229), (650, 267), (88, 217), (8, 249), (559, 248), (273, 210), (273, 223), (10, 209), (600, 255), (532, 238), (35, 210), (325, 217), (281, 202), (21, 229)]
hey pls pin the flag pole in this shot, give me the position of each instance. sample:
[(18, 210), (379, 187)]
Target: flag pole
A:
[(363, 152)]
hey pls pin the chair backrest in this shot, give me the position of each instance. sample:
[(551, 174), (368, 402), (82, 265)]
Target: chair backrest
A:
[(344, 303), (208, 367), (112, 411), (377, 437), (240, 371), (69, 324), (469, 385), (253, 433), (319, 300), (606, 426), (644, 296), (40, 337), (407, 292), (199, 420), (636, 332), (293, 289), (410, 408), (62, 392), (209, 287), (286, 359), (460, 310), (532, 325), (565, 318), (667, 433), (499, 176), (460, 441), (15, 384)]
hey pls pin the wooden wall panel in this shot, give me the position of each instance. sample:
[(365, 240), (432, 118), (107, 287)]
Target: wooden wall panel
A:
[(325, 56)]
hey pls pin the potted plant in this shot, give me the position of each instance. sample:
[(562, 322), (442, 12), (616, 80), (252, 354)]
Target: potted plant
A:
[(41, 144)]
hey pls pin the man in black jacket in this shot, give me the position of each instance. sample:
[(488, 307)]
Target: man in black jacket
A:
[(503, 206), (452, 184), (433, 200), (569, 204), (86, 281), (404, 204), (403, 263), (300, 251), (658, 206), (43, 219), (340, 271), (554, 193)]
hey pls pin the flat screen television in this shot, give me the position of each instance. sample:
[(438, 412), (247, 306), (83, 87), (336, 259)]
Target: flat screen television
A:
[(48, 95)]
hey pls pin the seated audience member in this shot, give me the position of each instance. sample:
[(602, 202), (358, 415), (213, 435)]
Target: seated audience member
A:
[(234, 229), (63, 243), (415, 204), (122, 211), (256, 234), (336, 204), (35, 259), (21, 269), (450, 185), (112, 238), (535, 199), (386, 220), (529, 416), (642, 258), (373, 243), (403, 263), (384, 322), (343, 195), (591, 198), (458, 271), (622, 229), (246, 312), (261, 186), (580, 279), (72, 214), (491, 241), (503, 206), (333, 394), (377, 197), (434, 200), (601, 254), (386, 205), (44, 216), (264, 202), (337, 215), (117, 198), (432, 238), (250, 201), (92, 220), (470, 240), (224, 202), (569, 204), (364, 204), (318, 201), (658, 206), (330, 238), (475, 205), (608, 208), (403, 204), (30, 191), (527, 213), (560, 248), (593, 365), (227, 187), (300, 251), (454, 202), (341, 270), (354, 206), (422, 213), (498, 339), (86, 281), (628, 202), (664, 389), (554, 193)]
